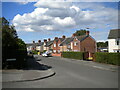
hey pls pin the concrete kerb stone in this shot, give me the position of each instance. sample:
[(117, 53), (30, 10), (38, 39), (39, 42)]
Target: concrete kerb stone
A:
[(25, 75)]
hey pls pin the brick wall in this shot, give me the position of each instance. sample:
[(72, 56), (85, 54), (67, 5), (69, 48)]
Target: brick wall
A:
[(77, 46), (88, 44)]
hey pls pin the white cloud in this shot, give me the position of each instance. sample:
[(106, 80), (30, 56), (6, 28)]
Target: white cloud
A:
[(61, 16)]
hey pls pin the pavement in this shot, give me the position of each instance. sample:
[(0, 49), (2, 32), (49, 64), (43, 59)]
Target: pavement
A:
[(34, 71)]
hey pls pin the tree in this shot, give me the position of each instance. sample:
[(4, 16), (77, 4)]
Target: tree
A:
[(80, 32), (12, 46), (102, 44)]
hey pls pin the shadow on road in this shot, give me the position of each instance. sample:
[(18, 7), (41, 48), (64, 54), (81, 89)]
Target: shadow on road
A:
[(31, 63), (34, 64)]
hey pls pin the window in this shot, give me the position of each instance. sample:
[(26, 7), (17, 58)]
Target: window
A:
[(117, 41), (68, 46), (58, 44), (117, 51), (75, 43), (58, 51), (54, 45), (54, 51)]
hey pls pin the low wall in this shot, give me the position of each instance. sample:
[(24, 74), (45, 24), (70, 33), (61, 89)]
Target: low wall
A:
[(56, 54)]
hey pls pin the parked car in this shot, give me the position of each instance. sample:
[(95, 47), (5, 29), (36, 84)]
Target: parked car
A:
[(46, 54), (30, 54)]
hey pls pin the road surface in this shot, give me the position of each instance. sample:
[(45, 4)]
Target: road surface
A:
[(71, 74)]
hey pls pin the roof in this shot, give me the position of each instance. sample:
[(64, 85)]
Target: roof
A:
[(39, 44), (36, 44), (61, 39), (67, 41), (80, 38), (114, 33), (49, 43), (70, 39)]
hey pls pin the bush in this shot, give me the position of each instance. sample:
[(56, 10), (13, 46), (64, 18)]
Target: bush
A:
[(73, 55), (35, 52), (109, 58)]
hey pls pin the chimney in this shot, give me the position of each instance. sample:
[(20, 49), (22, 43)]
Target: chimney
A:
[(39, 41), (56, 37), (63, 36), (48, 39), (73, 35), (87, 32), (45, 40), (33, 41)]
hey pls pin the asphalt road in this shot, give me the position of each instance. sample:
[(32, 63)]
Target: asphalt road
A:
[(70, 74)]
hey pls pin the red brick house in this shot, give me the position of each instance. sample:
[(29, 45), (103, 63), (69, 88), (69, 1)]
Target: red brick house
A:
[(84, 43), (56, 44)]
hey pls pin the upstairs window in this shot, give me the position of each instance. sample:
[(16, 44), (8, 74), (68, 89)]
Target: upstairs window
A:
[(117, 42), (75, 43), (54, 45)]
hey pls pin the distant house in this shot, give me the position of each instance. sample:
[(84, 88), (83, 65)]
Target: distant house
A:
[(39, 46), (31, 46), (56, 44), (114, 40), (84, 43), (49, 45), (35, 46)]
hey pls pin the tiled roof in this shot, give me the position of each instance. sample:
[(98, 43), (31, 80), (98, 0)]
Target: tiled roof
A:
[(80, 38), (49, 43), (36, 44), (114, 33), (70, 39), (39, 44), (66, 41)]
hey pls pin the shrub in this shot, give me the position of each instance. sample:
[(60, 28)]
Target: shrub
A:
[(73, 55), (109, 58), (35, 52)]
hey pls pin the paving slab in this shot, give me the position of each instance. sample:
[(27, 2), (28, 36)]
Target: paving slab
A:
[(25, 75)]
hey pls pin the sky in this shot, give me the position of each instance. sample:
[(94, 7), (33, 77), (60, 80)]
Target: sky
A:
[(45, 19)]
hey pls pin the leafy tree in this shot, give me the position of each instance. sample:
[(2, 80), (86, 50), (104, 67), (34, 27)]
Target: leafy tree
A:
[(11, 44), (102, 44), (80, 32)]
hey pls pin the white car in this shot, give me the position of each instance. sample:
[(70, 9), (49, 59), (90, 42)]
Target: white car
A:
[(46, 54)]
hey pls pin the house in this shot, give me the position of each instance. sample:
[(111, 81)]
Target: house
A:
[(35, 46), (84, 43), (56, 44), (49, 45), (31, 46), (114, 40), (39, 46)]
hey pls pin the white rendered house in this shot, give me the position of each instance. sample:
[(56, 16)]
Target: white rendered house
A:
[(114, 40)]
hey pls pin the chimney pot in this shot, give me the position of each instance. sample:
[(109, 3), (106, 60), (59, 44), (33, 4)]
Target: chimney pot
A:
[(87, 32), (56, 37), (45, 40), (64, 36), (33, 41), (48, 39), (39, 41), (74, 34)]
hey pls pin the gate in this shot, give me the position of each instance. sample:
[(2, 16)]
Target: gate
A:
[(88, 56)]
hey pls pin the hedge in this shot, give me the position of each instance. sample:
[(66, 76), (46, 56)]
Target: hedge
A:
[(109, 58), (73, 55), (19, 54)]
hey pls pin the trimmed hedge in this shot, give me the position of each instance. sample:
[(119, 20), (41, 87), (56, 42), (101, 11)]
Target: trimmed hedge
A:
[(19, 54), (108, 58), (73, 55)]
